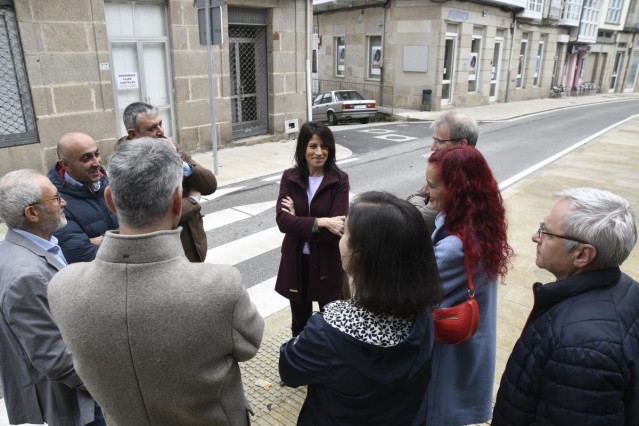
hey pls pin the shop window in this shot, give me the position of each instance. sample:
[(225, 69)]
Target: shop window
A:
[(521, 66), (340, 56), (539, 62), (375, 57), (314, 68), (473, 65)]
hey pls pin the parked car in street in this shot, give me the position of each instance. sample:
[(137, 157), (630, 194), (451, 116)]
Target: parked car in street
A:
[(339, 105)]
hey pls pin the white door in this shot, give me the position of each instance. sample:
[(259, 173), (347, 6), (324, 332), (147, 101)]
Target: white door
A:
[(633, 70), (448, 70), (615, 72), (138, 43), (494, 70)]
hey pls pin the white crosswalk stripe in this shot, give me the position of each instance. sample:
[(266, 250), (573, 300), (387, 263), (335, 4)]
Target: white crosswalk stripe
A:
[(220, 192), (266, 299), (245, 248)]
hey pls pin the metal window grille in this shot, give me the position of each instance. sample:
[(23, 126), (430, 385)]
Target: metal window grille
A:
[(17, 119), (249, 102)]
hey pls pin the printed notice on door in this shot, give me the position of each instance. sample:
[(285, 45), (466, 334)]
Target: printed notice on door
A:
[(127, 80)]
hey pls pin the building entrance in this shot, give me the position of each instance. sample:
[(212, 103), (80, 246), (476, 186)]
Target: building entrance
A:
[(247, 61), (139, 47)]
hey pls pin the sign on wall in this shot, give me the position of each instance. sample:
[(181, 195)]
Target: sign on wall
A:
[(127, 80)]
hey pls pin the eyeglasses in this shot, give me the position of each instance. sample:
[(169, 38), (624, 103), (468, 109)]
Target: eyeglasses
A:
[(441, 141), (56, 197), (565, 237)]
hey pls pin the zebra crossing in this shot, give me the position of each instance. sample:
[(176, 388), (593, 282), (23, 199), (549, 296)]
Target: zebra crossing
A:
[(240, 250)]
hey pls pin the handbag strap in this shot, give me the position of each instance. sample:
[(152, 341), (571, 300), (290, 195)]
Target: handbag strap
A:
[(469, 274)]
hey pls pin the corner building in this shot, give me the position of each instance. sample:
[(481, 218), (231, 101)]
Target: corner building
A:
[(74, 65), (445, 54)]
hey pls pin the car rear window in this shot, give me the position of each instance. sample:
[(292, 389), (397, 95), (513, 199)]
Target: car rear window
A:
[(348, 96)]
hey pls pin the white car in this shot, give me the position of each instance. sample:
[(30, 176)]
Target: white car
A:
[(339, 105)]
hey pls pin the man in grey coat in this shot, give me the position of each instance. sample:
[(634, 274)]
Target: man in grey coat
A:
[(156, 339), (36, 368)]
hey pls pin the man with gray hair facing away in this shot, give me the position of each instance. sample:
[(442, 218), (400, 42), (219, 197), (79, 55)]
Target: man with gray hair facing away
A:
[(452, 128), (576, 362), (143, 120), (156, 339), (38, 378)]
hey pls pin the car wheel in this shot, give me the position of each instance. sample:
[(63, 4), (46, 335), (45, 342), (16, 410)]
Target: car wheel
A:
[(364, 120), (332, 120)]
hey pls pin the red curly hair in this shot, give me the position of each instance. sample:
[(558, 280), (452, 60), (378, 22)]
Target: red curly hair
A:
[(474, 207)]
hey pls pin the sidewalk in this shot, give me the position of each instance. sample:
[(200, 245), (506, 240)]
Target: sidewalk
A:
[(608, 162)]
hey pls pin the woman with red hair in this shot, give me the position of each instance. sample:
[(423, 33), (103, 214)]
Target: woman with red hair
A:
[(466, 196)]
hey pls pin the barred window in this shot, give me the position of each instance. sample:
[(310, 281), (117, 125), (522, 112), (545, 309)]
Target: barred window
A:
[(17, 120)]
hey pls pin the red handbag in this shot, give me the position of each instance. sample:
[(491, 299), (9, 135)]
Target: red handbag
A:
[(458, 323)]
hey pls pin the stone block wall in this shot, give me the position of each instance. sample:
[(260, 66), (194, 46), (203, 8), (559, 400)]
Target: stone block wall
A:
[(191, 81), (286, 43), (413, 23), (63, 42)]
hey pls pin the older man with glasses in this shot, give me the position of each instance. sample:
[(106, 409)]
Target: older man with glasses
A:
[(450, 129), (38, 377), (576, 360)]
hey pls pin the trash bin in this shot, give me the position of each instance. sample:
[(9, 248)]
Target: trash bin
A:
[(426, 95)]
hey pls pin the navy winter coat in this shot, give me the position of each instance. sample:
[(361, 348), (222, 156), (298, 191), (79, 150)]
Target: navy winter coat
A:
[(87, 216), (354, 382), (577, 360)]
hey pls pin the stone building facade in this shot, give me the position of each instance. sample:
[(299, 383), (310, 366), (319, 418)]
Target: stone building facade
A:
[(462, 53), (74, 65)]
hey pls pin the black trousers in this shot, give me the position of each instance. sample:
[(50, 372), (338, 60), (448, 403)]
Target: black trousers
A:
[(301, 312)]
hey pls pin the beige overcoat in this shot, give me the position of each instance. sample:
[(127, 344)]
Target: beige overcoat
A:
[(157, 339)]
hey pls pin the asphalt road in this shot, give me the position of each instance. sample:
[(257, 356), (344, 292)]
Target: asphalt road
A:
[(392, 157)]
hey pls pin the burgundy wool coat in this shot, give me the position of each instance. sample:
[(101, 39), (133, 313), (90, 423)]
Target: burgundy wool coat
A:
[(325, 265)]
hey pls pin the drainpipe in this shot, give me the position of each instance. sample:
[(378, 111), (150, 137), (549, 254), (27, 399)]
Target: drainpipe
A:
[(309, 53), (510, 57), (381, 71)]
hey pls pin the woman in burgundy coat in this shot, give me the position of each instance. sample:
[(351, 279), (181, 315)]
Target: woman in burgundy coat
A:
[(310, 210)]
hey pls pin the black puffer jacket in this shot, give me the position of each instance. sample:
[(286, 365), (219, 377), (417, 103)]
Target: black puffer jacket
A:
[(577, 360), (87, 216)]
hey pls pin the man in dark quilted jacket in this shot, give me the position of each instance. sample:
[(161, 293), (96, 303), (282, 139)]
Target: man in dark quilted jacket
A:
[(81, 180), (577, 360)]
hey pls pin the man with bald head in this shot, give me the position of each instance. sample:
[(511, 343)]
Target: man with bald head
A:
[(79, 177)]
